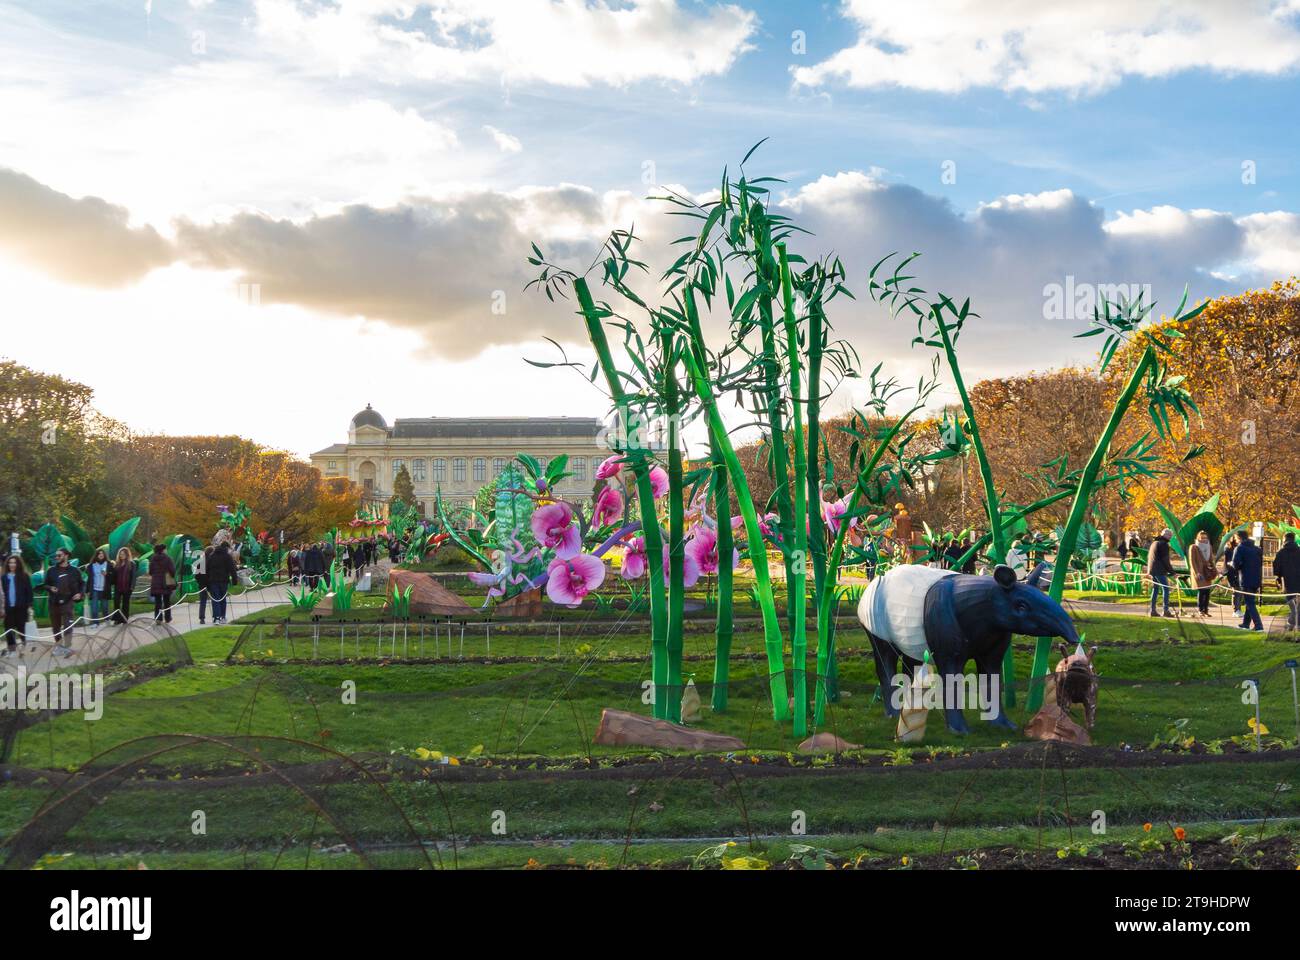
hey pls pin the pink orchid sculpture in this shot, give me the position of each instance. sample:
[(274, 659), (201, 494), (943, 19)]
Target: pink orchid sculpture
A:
[(690, 568), (610, 467), (634, 559), (572, 579), (554, 529), (609, 507), (658, 481), (703, 550)]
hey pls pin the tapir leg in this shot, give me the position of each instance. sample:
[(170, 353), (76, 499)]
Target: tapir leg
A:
[(886, 658), (950, 673), (989, 668)]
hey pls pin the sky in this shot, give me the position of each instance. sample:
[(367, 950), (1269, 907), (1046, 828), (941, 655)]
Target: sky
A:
[(257, 216)]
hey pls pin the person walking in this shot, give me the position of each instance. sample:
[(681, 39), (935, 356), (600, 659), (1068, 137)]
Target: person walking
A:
[(314, 565), (65, 588), (162, 581), (199, 570), (16, 595), (1201, 561), (99, 586), (124, 574), (1160, 569), (293, 563), (1286, 567), (222, 572), (1229, 571), (1248, 559), (1122, 550)]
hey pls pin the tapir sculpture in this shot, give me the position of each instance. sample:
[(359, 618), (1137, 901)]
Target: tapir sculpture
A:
[(1076, 682), (957, 617)]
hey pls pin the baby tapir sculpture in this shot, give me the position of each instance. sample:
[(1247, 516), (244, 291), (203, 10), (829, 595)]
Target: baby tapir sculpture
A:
[(1076, 682), (957, 617)]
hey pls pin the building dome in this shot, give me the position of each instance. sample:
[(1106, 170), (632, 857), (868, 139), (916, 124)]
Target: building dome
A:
[(369, 417)]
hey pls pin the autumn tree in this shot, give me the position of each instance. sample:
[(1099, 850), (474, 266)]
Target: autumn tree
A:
[(1241, 362), (283, 494)]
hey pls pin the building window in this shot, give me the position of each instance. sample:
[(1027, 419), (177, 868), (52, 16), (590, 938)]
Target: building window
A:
[(458, 470), (332, 465), (498, 466), (579, 465), (480, 469), (439, 471), (418, 472), (397, 467)]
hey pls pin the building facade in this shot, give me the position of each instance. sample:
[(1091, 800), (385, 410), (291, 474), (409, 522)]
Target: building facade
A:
[(458, 455)]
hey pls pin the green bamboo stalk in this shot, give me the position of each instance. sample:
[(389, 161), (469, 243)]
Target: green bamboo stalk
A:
[(817, 546), (676, 535), (796, 587), (639, 463), (825, 612), (772, 639), (778, 458), (1078, 509), (992, 505), (726, 545), (721, 494), (991, 502)]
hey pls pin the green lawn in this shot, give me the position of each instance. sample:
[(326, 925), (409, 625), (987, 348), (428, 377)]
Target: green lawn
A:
[(513, 714)]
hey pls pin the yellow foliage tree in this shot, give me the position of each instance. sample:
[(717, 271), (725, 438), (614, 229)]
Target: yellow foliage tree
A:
[(282, 493)]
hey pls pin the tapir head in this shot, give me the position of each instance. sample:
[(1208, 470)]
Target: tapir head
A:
[(1024, 608)]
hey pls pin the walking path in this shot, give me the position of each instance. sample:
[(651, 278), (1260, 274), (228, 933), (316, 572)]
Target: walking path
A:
[(90, 644)]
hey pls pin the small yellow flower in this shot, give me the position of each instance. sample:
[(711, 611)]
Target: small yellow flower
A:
[(905, 861), (1146, 827)]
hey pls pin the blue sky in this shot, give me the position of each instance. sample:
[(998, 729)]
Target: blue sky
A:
[(374, 169)]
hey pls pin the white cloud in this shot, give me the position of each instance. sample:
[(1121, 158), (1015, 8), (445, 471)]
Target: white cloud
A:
[(433, 266), (571, 43), (205, 140), (1027, 46), (504, 141)]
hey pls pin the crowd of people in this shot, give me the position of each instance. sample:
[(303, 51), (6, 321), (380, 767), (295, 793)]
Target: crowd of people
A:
[(308, 563), (1240, 566), (105, 587)]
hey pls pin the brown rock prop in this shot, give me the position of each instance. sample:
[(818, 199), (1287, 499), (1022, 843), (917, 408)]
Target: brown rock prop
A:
[(1053, 723), (428, 597), (826, 743), (525, 606), (618, 728)]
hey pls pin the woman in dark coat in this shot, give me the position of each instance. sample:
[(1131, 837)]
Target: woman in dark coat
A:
[(162, 581), (1234, 578), (123, 576), (16, 595)]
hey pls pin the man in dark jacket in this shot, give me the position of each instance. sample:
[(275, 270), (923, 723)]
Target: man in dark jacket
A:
[(1248, 561), (221, 573), (64, 585), (1160, 569), (313, 565), (1286, 567)]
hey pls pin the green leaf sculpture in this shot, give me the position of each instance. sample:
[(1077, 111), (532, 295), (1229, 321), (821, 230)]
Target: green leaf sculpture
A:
[(121, 536)]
